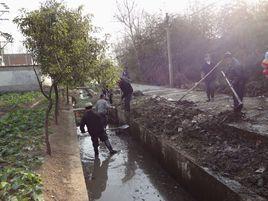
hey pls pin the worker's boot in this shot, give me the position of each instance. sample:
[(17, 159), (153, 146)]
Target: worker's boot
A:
[(96, 151), (109, 146)]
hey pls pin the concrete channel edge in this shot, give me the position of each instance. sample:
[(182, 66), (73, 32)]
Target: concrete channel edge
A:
[(78, 175)]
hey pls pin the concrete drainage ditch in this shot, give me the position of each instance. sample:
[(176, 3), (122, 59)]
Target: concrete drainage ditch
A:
[(131, 174), (199, 181)]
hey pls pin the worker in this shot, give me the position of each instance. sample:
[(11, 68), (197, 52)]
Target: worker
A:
[(265, 65), (102, 107), (94, 125), (210, 79), (108, 93), (237, 78), (110, 96), (125, 74), (105, 92), (127, 91)]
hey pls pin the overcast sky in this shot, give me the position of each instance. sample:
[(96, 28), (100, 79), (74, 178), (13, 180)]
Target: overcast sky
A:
[(103, 11)]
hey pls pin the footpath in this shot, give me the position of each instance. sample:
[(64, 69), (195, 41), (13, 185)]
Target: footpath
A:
[(62, 173)]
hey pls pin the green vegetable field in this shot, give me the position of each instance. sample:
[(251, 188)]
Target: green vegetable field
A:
[(21, 143)]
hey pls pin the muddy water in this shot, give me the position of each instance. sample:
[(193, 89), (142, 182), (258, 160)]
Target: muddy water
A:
[(132, 174)]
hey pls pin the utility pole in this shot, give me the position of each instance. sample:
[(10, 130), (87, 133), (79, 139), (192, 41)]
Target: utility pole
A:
[(170, 64), (6, 36)]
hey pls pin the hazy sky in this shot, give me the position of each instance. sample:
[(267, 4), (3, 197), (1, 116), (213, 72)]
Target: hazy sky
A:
[(103, 11)]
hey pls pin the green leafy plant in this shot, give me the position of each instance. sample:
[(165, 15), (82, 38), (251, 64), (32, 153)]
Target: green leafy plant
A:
[(8, 100), (21, 143), (21, 137), (19, 185)]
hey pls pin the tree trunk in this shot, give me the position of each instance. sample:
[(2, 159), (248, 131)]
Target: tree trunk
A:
[(49, 98), (67, 94), (49, 107), (56, 112), (62, 94)]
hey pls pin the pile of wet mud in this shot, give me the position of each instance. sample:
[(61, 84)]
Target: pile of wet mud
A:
[(207, 139)]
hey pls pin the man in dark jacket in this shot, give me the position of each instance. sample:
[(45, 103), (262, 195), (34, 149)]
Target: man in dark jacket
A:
[(210, 80), (127, 91), (237, 78), (95, 128)]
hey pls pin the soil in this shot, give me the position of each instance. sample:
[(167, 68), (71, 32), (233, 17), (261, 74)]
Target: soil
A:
[(62, 173), (206, 138)]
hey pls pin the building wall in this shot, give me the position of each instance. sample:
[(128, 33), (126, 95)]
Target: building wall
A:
[(19, 78), (17, 59)]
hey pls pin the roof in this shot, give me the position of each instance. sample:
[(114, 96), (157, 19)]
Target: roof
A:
[(17, 59)]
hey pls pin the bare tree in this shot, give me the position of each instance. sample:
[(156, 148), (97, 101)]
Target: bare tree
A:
[(130, 17)]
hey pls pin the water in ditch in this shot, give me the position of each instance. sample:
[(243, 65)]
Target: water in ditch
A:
[(130, 175)]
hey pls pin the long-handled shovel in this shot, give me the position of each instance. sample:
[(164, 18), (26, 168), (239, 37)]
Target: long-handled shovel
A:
[(231, 87), (123, 127), (197, 83)]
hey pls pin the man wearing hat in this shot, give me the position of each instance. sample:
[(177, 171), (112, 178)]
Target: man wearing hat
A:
[(127, 91), (236, 75), (210, 79), (102, 107), (95, 128)]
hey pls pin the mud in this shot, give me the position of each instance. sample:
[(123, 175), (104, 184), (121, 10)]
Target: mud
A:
[(132, 174), (207, 139)]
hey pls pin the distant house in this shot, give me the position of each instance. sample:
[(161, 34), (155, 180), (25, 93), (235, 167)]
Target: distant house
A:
[(17, 60)]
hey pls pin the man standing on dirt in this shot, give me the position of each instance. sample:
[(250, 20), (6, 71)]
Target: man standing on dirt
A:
[(95, 128), (127, 91), (102, 107), (108, 93), (210, 79), (236, 75)]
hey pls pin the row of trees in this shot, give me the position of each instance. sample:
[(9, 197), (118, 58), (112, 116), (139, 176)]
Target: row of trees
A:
[(238, 27), (61, 41)]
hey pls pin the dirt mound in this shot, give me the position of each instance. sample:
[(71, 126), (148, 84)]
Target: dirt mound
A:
[(138, 93), (167, 117), (185, 103), (208, 139)]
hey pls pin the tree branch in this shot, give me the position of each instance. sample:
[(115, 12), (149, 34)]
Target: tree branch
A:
[(40, 84)]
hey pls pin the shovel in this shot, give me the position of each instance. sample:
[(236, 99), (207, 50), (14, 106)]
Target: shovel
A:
[(232, 89), (197, 83), (123, 127)]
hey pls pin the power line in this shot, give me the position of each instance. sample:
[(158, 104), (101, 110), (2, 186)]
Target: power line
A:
[(3, 11), (8, 38)]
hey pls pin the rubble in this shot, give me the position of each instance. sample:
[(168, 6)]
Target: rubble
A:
[(138, 93), (207, 139)]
